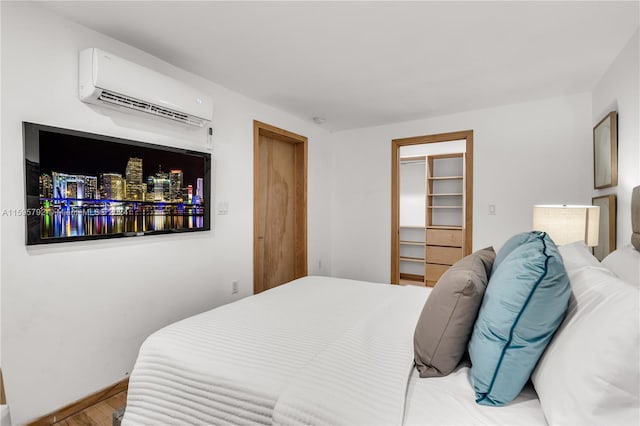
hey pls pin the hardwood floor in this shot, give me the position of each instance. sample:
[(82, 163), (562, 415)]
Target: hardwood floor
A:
[(99, 414)]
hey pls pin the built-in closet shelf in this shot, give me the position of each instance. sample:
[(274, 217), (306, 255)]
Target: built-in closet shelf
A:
[(404, 281), (411, 259), (444, 238), (426, 251), (446, 178), (412, 243)]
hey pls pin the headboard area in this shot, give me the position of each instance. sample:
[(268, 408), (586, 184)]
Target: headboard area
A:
[(635, 218), (625, 262)]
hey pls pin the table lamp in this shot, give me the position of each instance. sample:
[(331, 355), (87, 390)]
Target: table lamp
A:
[(566, 224)]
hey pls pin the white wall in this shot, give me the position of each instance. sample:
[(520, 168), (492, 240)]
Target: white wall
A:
[(433, 148), (524, 154), (412, 193), (413, 184), (619, 90), (75, 314)]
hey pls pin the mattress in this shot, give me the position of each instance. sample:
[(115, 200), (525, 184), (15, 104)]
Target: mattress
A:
[(317, 350)]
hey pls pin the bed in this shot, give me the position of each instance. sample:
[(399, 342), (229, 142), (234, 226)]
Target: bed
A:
[(323, 350)]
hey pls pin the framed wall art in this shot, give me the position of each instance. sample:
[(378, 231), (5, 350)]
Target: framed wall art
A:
[(83, 186), (605, 152), (607, 231)]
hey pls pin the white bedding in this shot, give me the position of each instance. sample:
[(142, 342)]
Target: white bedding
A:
[(450, 400), (317, 350), (230, 364), (625, 263), (361, 378)]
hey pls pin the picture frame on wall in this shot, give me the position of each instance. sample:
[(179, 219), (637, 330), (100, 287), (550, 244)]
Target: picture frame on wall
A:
[(605, 152), (130, 189), (607, 227)]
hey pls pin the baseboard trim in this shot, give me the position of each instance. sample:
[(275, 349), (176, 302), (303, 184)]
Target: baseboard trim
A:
[(81, 404)]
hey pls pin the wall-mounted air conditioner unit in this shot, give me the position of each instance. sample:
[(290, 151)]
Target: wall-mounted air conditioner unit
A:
[(105, 79)]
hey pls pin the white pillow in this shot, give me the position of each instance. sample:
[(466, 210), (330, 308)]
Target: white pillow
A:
[(577, 255), (590, 372), (625, 263)]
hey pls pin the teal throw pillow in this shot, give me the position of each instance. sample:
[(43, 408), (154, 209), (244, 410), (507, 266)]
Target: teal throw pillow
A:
[(525, 302), (512, 244)]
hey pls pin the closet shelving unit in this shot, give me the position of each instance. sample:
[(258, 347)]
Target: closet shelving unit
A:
[(428, 250), (445, 215), (412, 238), (436, 194), (412, 246)]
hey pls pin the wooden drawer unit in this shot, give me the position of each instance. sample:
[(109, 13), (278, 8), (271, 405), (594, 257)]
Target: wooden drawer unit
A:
[(444, 237), (433, 273), (443, 255)]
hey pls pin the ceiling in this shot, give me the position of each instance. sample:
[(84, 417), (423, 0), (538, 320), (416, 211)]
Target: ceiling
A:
[(360, 64)]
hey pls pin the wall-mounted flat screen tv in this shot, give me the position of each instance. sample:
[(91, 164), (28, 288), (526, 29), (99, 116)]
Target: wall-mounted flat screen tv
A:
[(83, 186)]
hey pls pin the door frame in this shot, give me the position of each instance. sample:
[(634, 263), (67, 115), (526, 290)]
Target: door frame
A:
[(264, 129), (395, 190)]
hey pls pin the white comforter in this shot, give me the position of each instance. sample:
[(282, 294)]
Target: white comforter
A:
[(317, 350), (361, 378)]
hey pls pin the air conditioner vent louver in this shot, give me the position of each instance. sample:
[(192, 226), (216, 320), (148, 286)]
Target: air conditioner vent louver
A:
[(127, 102)]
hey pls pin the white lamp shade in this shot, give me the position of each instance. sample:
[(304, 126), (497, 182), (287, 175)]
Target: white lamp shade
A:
[(567, 224)]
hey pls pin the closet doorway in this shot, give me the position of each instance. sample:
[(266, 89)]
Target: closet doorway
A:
[(279, 206), (431, 205)]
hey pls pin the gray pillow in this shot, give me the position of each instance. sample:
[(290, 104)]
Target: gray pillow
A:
[(445, 325)]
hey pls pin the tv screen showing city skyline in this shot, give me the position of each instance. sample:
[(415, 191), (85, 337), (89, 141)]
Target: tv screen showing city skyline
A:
[(83, 186)]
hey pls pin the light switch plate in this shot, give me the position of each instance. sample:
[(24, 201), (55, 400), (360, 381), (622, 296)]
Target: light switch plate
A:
[(223, 208)]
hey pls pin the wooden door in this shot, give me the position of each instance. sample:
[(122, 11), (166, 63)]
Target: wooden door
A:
[(280, 206)]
